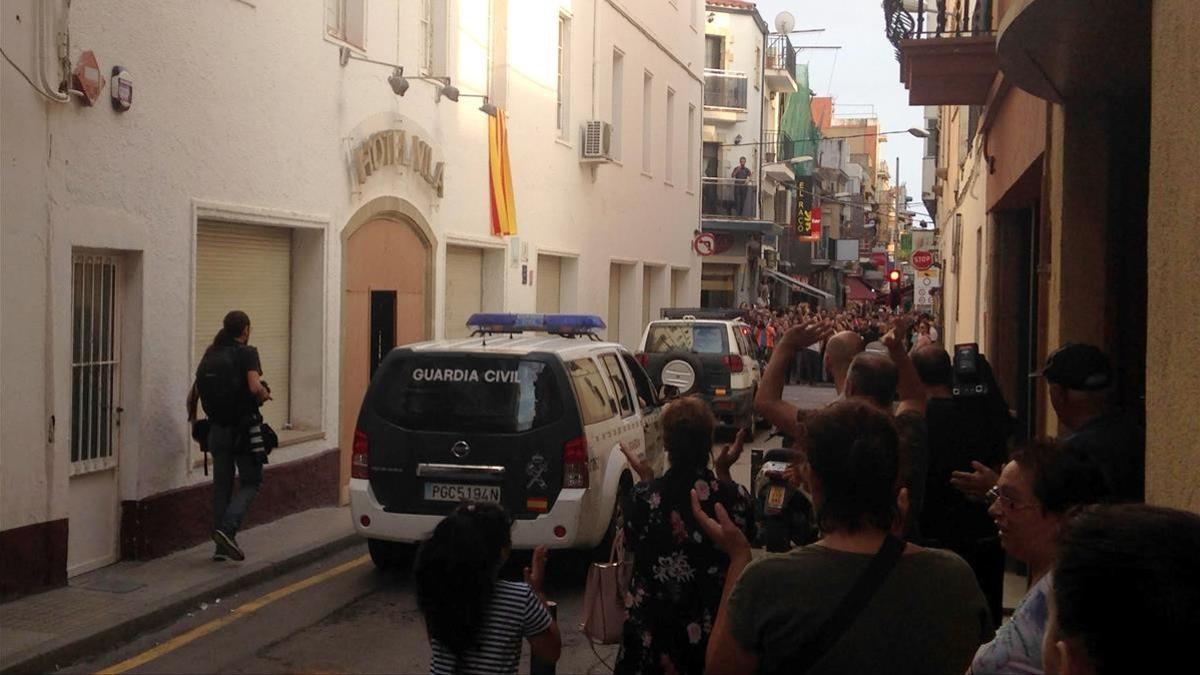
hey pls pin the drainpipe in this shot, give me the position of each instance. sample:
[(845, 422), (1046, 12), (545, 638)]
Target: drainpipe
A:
[(50, 91)]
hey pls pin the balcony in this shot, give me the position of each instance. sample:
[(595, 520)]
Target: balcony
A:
[(780, 65), (729, 198), (946, 57), (725, 95)]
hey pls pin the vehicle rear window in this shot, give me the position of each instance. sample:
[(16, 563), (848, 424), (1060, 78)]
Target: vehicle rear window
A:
[(701, 338), (595, 405), (468, 393)]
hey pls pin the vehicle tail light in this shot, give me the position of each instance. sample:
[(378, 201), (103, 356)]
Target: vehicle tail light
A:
[(575, 463), (642, 359), (734, 363), (358, 455)]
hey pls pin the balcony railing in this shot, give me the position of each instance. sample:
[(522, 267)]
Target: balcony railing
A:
[(781, 55), (735, 198), (911, 20), (947, 56), (777, 146), (724, 89)]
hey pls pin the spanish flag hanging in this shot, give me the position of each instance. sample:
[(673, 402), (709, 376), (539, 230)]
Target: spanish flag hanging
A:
[(504, 210)]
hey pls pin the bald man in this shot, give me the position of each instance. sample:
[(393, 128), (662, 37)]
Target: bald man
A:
[(839, 352)]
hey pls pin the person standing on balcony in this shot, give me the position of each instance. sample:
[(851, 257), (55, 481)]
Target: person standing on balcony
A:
[(741, 181)]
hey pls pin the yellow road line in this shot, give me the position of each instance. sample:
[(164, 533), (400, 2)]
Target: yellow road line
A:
[(238, 613)]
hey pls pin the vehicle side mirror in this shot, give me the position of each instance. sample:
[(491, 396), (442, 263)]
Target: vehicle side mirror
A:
[(667, 393)]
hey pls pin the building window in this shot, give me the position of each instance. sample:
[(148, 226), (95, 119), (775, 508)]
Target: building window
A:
[(95, 361), (618, 100), (647, 119), (564, 69), (714, 52), (433, 37), (345, 20), (687, 147), (669, 142), (223, 254)]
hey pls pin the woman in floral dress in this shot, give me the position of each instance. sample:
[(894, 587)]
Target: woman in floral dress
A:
[(678, 573)]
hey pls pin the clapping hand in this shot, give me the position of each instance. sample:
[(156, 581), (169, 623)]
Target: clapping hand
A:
[(806, 333), (729, 456), (535, 574), (637, 463), (974, 483), (723, 532)]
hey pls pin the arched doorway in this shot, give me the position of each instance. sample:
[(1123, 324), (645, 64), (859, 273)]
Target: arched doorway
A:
[(386, 264)]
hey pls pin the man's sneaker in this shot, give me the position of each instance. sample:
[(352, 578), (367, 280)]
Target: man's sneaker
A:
[(219, 556), (227, 546)]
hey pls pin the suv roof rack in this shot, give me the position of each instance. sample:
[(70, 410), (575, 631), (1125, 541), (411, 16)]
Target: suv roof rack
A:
[(703, 313), (566, 325)]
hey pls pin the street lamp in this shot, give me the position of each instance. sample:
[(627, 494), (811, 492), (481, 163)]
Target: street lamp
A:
[(919, 133)]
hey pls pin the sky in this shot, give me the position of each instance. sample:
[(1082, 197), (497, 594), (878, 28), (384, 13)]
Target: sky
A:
[(864, 72)]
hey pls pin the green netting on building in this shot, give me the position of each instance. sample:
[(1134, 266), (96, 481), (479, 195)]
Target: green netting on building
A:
[(797, 122)]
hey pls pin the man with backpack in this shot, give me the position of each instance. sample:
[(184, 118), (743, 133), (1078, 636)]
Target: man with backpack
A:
[(230, 388)]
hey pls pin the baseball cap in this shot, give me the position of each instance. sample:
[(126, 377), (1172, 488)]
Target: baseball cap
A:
[(1077, 366)]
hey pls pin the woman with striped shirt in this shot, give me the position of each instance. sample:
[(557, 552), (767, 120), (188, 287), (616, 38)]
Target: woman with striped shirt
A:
[(476, 622)]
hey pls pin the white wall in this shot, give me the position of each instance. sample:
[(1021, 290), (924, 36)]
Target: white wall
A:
[(244, 107)]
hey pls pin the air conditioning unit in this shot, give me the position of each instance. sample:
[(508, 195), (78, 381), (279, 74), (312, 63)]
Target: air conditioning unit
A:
[(596, 144)]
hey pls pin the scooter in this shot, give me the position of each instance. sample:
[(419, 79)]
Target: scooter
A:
[(785, 512)]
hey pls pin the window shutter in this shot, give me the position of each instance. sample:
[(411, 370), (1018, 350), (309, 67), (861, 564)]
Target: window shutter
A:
[(248, 268)]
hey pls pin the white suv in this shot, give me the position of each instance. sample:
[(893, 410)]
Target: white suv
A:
[(707, 352), (529, 421)]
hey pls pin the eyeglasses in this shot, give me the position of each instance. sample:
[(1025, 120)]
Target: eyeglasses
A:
[(1006, 503)]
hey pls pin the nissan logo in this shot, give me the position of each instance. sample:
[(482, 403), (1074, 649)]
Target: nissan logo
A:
[(460, 449)]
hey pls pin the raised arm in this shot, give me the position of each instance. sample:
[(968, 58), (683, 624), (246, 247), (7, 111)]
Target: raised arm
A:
[(910, 389), (769, 401)]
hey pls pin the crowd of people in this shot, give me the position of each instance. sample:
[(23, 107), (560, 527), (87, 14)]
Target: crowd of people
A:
[(919, 494)]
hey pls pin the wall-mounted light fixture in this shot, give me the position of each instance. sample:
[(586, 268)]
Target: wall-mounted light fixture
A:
[(400, 83)]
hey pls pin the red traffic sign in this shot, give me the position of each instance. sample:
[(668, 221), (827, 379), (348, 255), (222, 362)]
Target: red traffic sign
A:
[(922, 260), (705, 244)]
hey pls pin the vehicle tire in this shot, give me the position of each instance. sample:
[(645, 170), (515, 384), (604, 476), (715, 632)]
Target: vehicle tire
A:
[(603, 550), (683, 371), (391, 556)]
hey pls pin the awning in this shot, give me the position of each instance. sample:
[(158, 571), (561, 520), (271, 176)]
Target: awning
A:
[(504, 209), (858, 290), (798, 285)]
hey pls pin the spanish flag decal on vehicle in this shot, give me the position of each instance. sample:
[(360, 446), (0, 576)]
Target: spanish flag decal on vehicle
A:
[(504, 210), (538, 504)]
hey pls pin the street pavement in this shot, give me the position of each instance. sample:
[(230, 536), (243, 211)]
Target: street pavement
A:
[(307, 601)]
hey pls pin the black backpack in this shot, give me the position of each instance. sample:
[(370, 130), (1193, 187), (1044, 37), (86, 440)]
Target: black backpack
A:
[(222, 386)]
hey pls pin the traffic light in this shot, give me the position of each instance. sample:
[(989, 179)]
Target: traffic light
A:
[(894, 276)]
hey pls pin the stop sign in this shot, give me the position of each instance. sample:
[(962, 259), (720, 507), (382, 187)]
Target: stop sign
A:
[(922, 260)]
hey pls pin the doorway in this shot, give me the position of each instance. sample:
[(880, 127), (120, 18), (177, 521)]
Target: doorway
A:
[(93, 493), (385, 303), (383, 326)]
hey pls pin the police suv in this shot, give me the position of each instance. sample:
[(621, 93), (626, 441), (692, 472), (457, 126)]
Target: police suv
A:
[(528, 412)]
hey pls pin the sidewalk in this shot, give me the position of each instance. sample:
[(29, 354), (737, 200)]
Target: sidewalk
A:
[(118, 602)]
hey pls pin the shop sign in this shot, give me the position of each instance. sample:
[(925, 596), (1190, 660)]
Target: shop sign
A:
[(395, 147)]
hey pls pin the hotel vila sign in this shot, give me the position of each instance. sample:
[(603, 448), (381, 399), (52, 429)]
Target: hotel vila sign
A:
[(395, 147)]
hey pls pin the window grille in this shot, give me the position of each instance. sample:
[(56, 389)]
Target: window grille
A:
[(95, 363)]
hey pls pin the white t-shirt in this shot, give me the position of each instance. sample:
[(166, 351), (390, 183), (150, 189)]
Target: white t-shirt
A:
[(514, 614)]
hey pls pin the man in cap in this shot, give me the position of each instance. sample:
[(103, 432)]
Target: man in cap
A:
[(1079, 378)]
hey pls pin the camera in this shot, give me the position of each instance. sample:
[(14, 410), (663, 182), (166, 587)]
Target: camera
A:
[(969, 378)]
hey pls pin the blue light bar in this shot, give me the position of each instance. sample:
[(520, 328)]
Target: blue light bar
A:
[(566, 324)]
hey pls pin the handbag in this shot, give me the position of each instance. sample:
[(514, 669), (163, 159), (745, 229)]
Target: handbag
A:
[(604, 595)]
